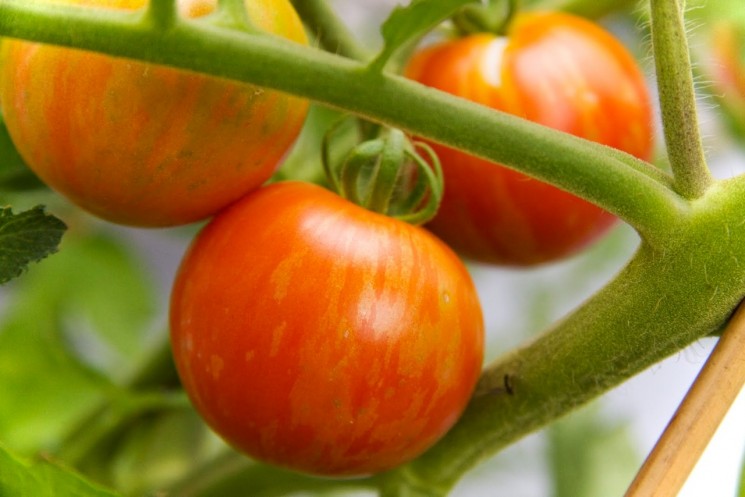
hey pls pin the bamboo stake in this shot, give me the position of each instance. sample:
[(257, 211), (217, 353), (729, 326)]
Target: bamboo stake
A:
[(686, 436)]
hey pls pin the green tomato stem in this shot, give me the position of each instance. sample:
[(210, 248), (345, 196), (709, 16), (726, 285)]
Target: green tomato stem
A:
[(162, 13), (579, 166), (330, 31), (677, 99), (387, 171), (430, 185), (495, 17), (353, 169)]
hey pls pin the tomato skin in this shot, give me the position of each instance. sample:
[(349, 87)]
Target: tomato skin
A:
[(554, 69), (141, 144), (726, 66), (316, 335)]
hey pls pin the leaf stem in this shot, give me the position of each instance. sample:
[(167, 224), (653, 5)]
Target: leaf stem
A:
[(162, 13), (677, 99), (330, 31), (580, 166)]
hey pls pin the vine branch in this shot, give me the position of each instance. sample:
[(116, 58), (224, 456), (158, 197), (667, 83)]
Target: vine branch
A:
[(585, 168), (332, 33), (677, 99), (162, 13)]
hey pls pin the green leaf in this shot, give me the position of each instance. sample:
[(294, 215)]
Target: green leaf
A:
[(159, 450), (71, 328), (235, 475), (43, 479), (26, 237), (409, 23), (590, 456)]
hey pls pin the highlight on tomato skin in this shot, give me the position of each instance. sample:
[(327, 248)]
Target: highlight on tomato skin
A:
[(146, 145), (554, 69), (313, 334)]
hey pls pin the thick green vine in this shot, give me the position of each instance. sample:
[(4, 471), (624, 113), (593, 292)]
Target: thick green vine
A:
[(677, 100)]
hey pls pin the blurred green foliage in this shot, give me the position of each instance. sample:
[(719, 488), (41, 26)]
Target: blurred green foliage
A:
[(42, 479), (71, 328), (590, 455)]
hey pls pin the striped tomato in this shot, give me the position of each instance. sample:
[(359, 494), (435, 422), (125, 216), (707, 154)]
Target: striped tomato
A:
[(557, 70), (141, 144), (316, 335)]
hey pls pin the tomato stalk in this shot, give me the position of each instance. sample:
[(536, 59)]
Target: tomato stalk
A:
[(677, 99), (333, 35), (388, 175), (162, 13), (495, 17), (387, 172), (591, 171)]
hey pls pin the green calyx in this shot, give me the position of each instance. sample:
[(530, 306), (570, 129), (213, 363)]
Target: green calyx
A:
[(494, 17), (388, 174)]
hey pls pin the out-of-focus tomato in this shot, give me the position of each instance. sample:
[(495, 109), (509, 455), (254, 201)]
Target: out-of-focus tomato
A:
[(554, 69), (319, 336), (726, 65), (142, 144)]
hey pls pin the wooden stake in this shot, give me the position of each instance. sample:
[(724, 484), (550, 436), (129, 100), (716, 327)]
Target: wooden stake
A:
[(715, 389)]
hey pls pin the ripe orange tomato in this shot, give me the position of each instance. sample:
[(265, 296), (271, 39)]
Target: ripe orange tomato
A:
[(141, 144), (554, 69), (322, 337)]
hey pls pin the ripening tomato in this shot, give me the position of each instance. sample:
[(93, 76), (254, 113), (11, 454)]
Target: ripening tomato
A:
[(316, 335), (554, 69), (726, 66), (141, 144)]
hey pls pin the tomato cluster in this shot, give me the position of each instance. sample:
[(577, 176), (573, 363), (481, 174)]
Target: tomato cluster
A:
[(310, 332), (557, 70)]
